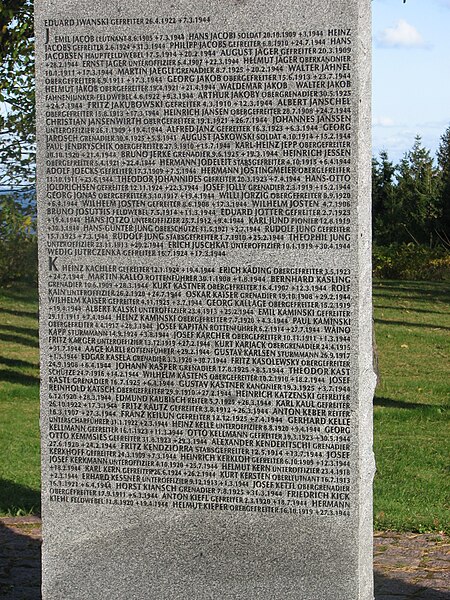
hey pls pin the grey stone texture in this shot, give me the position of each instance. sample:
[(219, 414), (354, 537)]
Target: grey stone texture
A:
[(205, 285), (395, 560)]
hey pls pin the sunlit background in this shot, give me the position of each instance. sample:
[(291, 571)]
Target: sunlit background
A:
[(411, 74)]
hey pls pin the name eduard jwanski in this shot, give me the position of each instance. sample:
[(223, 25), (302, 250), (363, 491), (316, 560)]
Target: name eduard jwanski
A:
[(92, 22)]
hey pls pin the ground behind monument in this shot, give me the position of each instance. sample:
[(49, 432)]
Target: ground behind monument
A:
[(411, 418), (412, 323), (406, 566)]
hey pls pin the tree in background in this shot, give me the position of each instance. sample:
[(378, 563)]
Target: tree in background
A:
[(418, 191), (17, 112), (18, 248), (411, 214), (386, 206), (443, 158), (18, 241)]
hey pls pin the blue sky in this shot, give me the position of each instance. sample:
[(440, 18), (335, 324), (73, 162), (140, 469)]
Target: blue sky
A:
[(411, 74)]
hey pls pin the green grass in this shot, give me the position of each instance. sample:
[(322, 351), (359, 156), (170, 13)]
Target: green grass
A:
[(19, 402), (412, 434), (411, 425)]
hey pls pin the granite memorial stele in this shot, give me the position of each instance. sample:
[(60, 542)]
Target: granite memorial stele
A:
[(205, 299)]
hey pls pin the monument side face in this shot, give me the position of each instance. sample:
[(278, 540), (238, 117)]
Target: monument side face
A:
[(203, 193)]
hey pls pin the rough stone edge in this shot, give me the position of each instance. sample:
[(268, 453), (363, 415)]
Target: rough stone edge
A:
[(367, 377), (39, 9)]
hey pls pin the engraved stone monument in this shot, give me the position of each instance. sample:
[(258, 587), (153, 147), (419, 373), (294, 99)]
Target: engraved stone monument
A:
[(204, 186)]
